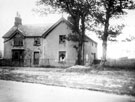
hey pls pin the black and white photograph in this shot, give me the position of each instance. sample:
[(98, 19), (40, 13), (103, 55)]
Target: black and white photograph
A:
[(67, 50)]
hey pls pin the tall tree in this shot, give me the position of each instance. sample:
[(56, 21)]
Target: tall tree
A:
[(106, 11), (78, 11)]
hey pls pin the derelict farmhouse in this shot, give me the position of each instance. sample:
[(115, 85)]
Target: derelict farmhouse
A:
[(44, 45)]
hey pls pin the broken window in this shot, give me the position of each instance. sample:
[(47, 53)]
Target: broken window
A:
[(62, 39), (62, 56), (36, 41)]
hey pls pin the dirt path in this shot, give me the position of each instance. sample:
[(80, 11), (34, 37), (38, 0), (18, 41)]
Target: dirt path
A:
[(11, 91)]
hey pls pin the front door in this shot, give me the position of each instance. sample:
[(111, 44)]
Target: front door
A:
[(18, 57), (36, 58)]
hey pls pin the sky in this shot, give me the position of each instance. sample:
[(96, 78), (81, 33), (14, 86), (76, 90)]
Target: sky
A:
[(9, 8)]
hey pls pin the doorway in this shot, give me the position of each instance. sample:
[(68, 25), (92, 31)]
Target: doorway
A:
[(18, 57), (36, 58)]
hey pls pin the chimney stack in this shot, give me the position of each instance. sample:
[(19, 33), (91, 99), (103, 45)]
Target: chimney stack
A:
[(18, 20)]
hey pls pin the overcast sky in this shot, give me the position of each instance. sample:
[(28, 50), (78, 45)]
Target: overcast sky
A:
[(8, 9)]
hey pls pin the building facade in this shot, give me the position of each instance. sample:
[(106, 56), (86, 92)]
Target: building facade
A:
[(44, 45)]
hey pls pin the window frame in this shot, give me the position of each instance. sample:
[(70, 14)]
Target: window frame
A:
[(38, 43), (63, 59), (18, 40), (62, 39)]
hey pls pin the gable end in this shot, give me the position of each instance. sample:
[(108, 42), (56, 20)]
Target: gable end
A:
[(62, 20), (13, 34)]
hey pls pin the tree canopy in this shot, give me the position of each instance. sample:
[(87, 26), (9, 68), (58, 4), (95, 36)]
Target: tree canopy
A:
[(78, 11), (92, 13), (105, 12)]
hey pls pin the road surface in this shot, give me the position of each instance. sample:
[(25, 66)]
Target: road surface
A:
[(11, 91)]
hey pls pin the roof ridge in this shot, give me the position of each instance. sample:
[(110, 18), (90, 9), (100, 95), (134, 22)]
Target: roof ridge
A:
[(41, 29)]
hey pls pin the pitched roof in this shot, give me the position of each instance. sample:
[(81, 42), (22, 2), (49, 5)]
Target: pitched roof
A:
[(35, 30), (56, 24), (11, 30), (29, 30), (38, 29)]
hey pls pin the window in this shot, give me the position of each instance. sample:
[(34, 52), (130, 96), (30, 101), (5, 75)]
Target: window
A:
[(62, 39), (18, 40), (36, 41), (62, 56)]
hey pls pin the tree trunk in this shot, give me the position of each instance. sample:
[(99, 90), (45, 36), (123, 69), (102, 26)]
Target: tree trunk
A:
[(82, 40), (104, 50), (79, 55), (79, 48), (104, 38), (81, 34)]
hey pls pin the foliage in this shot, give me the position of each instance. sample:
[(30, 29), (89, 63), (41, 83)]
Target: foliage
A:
[(78, 10), (96, 13), (105, 12)]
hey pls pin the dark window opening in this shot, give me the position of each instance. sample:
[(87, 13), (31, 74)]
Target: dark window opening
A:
[(62, 56), (62, 39), (36, 41)]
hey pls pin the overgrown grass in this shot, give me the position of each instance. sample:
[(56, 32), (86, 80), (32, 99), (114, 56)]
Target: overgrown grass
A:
[(107, 80)]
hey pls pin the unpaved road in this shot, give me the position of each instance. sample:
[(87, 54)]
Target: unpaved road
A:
[(11, 91)]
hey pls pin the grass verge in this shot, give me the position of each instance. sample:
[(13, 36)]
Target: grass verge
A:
[(107, 80)]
